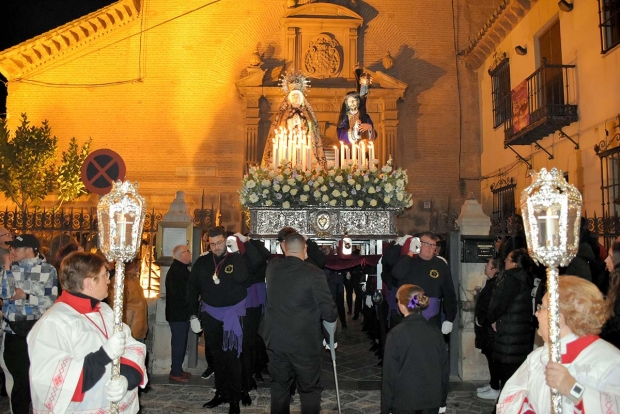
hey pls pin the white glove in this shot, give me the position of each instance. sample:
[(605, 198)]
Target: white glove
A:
[(231, 244), (348, 275), (446, 327), (415, 245), (363, 286), (241, 237), (368, 301), (115, 389), (401, 240), (194, 324), (115, 346)]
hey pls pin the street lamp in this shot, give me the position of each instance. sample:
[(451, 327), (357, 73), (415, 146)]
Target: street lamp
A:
[(120, 216), (551, 211)]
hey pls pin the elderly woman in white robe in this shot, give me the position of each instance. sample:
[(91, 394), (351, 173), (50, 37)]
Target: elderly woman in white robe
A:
[(588, 377), (72, 346)]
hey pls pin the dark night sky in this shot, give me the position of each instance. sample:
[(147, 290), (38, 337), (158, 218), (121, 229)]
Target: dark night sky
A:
[(21, 20)]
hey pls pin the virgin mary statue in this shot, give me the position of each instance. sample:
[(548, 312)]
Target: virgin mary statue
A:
[(296, 115)]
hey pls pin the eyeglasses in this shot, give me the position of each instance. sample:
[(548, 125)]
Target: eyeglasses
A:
[(540, 307), (186, 251), (427, 244), (218, 244), (6, 234)]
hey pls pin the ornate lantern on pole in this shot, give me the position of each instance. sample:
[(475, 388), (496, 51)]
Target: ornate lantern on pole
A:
[(120, 216), (551, 211)]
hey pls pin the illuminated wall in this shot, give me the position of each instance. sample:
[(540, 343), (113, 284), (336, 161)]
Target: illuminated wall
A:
[(165, 98), (596, 82)]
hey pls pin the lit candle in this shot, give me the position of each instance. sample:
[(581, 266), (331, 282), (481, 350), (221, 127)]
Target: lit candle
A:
[(550, 226), (354, 151), (121, 228), (363, 154), (336, 159), (371, 153), (342, 154), (274, 152)]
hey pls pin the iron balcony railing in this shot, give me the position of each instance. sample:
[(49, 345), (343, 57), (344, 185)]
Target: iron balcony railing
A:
[(551, 105)]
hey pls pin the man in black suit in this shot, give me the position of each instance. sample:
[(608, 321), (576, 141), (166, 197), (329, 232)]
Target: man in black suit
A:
[(298, 299)]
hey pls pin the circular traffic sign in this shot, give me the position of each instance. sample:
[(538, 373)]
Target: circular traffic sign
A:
[(101, 169)]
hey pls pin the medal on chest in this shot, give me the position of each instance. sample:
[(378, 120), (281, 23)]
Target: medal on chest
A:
[(215, 277)]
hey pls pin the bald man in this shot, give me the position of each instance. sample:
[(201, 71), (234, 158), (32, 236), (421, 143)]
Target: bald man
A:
[(298, 299)]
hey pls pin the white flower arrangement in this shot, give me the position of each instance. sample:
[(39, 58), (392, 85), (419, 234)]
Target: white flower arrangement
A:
[(350, 186)]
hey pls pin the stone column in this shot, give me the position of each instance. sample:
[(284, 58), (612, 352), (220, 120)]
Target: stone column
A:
[(472, 364), (160, 360)]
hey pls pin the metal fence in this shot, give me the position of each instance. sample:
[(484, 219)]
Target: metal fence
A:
[(56, 227)]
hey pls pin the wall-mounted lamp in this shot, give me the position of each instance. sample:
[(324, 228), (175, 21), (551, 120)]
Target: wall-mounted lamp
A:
[(565, 6), (521, 50)]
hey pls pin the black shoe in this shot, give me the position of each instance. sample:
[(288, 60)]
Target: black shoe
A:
[(207, 374), (356, 316), (217, 400), (259, 377), (234, 407), (246, 400)]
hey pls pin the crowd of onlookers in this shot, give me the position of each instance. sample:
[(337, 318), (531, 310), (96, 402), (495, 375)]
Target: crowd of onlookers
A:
[(513, 306)]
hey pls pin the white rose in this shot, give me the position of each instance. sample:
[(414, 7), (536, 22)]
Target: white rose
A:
[(344, 194), (358, 187), (333, 203), (242, 200), (325, 198), (317, 194), (389, 188), (332, 173), (306, 188), (286, 188), (253, 198), (265, 191), (373, 202), (316, 184), (349, 203), (387, 199), (360, 203), (294, 191), (338, 178), (268, 203), (371, 190), (323, 188), (303, 197), (299, 177), (291, 181), (265, 183), (336, 193), (400, 196), (280, 177), (351, 181), (250, 184), (366, 179), (276, 187), (320, 180), (286, 204)]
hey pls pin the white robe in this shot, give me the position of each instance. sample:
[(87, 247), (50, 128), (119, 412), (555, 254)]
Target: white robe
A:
[(596, 367), (57, 346)]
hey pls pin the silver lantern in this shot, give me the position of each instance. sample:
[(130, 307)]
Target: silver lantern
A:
[(120, 216), (551, 210)]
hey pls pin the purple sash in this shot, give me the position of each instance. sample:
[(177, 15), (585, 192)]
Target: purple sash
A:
[(257, 296), (230, 316), (433, 308)]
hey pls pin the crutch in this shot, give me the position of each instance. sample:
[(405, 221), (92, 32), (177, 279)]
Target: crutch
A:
[(330, 327)]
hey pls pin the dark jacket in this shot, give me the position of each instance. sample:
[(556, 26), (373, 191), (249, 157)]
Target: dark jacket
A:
[(298, 299), (315, 254), (611, 329), (413, 363), (485, 335), (257, 256), (176, 292), (233, 276), (511, 309), (580, 265)]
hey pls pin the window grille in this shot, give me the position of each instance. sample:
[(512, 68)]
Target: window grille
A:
[(609, 17), (503, 205), (500, 92)]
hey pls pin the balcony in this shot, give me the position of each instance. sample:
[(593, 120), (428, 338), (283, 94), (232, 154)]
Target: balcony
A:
[(542, 104)]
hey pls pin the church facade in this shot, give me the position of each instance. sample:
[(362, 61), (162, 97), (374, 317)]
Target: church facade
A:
[(186, 93)]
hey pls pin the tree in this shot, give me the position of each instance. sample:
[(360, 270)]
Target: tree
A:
[(28, 165)]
